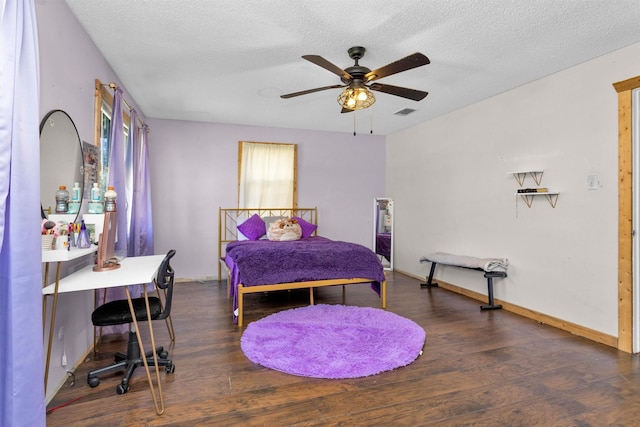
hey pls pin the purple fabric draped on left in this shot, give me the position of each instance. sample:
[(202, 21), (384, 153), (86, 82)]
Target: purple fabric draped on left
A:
[(22, 400)]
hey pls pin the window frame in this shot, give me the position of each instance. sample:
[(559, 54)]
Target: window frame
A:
[(295, 172), (102, 108)]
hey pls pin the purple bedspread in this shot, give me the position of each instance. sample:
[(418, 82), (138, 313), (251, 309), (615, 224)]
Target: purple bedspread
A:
[(264, 262)]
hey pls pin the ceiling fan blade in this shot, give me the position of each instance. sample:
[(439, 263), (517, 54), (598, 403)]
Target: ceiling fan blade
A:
[(414, 94), (406, 63), (304, 92), (320, 61)]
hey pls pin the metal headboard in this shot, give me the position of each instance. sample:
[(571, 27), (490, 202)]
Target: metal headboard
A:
[(228, 223)]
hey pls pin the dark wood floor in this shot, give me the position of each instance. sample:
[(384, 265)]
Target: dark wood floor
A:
[(478, 368)]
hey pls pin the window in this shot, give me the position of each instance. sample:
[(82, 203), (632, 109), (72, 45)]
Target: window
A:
[(267, 175), (103, 103)]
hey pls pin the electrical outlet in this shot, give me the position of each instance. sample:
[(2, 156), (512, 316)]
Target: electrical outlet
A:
[(61, 333)]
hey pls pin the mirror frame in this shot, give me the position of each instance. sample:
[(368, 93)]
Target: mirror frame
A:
[(78, 158), (378, 236)]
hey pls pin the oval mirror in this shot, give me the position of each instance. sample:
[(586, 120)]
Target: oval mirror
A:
[(61, 161)]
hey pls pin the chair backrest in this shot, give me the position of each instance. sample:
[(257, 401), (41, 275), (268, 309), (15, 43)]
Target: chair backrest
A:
[(164, 280)]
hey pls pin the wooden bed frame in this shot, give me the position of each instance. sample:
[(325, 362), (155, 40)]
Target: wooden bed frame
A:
[(227, 232)]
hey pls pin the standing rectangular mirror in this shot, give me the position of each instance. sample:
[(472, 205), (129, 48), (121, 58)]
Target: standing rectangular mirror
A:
[(383, 231)]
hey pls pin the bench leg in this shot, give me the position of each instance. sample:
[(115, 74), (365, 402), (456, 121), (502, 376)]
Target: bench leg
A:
[(430, 283), (491, 305)]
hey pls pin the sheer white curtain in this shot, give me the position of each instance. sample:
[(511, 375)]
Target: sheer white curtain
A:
[(267, 175)]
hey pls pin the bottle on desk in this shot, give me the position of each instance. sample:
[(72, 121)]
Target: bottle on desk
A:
[(95, 204), (74, 203), (75, 192), (62, 200), (110, 199), (83, 237), (95, 193)]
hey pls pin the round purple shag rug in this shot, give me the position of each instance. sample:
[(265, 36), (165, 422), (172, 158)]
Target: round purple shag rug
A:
[(333, 341)]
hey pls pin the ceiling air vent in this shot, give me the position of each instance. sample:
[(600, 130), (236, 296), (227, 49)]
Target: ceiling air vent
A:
[(404, 112)]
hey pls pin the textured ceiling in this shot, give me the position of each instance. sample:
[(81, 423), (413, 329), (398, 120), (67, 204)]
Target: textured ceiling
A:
[(228, 61)]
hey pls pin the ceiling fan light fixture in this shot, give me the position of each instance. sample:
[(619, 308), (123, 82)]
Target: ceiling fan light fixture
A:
[(358, 80), (356, 98)]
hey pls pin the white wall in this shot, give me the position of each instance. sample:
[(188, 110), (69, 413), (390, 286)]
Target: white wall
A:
[(563, 261), (69, 65), (194, 172)]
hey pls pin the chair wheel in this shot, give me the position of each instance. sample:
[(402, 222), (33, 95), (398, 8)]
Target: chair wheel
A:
[(171, 368), (122, 389), (93, 381), (163, 354)]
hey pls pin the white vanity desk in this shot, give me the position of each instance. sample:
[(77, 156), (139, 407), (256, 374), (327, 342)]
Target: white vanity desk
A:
[(58, 256), (132, 271)]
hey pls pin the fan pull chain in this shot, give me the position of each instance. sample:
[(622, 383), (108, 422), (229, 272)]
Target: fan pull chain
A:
[(371, 124), (354, 123)]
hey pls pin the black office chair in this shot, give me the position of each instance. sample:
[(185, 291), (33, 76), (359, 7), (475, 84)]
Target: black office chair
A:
[(118, 313)]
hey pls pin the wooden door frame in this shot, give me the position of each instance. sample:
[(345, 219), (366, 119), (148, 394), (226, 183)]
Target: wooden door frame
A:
[(625, 213)]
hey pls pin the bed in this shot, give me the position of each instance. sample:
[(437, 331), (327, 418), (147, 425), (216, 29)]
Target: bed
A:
[(259, 265)]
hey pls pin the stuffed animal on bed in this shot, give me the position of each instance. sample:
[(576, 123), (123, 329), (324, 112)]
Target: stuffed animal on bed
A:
[(285, 229)]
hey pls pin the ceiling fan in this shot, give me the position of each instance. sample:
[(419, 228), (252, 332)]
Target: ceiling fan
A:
[(357, 80)]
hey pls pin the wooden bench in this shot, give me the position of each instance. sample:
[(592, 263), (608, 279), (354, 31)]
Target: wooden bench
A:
[(492, 268)]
